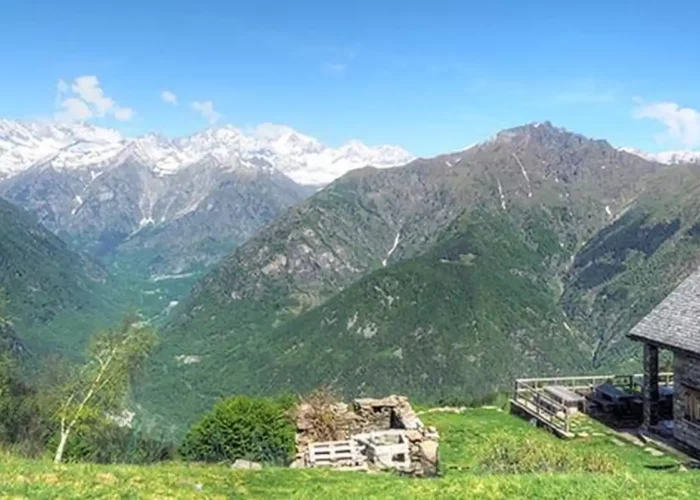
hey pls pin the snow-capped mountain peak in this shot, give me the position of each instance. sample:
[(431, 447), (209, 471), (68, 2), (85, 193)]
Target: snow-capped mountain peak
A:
[(675, 157), (65, 146), (80, 145), (666, 157)]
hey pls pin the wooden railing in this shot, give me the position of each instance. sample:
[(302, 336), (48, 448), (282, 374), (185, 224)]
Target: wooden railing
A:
[(529, 393), (587, 383), (546, 408)]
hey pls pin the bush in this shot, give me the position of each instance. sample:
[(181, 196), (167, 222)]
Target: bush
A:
[(242, 427), (512, 455)]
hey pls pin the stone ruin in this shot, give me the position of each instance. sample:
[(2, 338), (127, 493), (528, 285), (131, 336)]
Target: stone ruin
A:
[(370, 434)]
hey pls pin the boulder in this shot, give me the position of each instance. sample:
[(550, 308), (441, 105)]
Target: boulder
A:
[(246, 464), (414, 435), (429, 458)]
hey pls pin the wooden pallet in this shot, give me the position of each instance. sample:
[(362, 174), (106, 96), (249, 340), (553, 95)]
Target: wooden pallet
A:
[(345, 454)]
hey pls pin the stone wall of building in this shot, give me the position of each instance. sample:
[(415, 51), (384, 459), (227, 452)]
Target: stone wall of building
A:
[(392, 412), (423, 449), (686, 370), (372, 417)]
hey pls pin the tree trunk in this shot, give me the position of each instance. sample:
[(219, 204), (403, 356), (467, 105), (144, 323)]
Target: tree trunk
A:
[(61, 446)]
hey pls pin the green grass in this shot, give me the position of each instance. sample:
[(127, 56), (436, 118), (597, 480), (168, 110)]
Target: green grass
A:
[(180, 481), (463, 445), (463, 438)]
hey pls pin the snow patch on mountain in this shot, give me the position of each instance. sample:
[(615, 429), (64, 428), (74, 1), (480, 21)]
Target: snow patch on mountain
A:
[(82, 145), (392, 249)]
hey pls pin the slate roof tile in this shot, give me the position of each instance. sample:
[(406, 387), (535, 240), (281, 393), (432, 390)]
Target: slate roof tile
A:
[(675, 322)]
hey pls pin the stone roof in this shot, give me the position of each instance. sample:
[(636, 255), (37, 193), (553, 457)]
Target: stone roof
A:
[(675, 322)]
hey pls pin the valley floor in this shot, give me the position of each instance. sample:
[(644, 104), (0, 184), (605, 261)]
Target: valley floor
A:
[(464, 438)]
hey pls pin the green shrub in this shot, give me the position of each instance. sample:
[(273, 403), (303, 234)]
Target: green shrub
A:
[(512, 455), (242, 427)]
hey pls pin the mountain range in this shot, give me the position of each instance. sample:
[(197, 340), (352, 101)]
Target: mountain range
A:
[(530, 253), (85, 146), (160, 206)]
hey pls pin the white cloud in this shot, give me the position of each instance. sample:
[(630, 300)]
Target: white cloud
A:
[(89, 90), (206, 109), (88, 100), (335, 68), (682, 124), (62, 86), (123, 114), (168, 97), (73, 109), (61, 89)]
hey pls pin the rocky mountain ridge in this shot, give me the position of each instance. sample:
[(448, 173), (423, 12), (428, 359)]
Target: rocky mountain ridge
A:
[(169, 223)]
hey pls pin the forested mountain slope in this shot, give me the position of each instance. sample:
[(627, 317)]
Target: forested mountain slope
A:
[(49, 289)]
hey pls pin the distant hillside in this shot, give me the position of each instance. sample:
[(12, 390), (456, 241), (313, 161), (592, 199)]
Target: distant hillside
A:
[(460, 321), (500, 296), (154, 224)]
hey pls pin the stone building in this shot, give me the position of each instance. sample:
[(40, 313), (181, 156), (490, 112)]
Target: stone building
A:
[(674, 325), (369, 434)]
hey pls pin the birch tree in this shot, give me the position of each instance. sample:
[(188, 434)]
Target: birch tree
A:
[(101, 385)]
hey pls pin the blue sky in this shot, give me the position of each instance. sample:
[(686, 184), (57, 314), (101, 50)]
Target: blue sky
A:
[(429, 76)]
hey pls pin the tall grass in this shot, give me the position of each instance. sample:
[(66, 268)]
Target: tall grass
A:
[(509, 454)]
